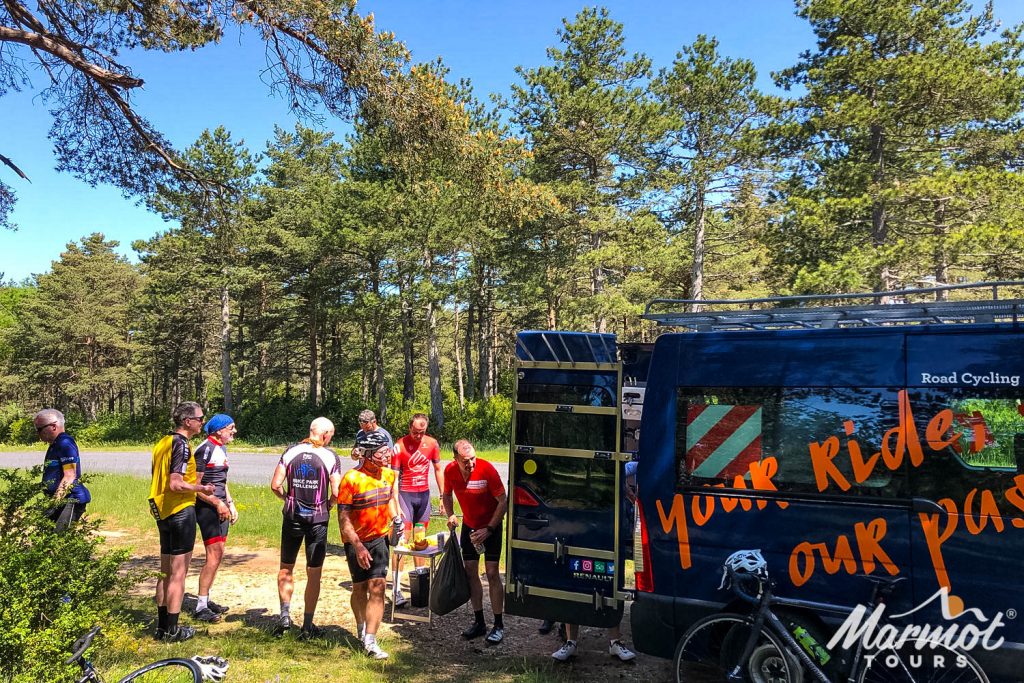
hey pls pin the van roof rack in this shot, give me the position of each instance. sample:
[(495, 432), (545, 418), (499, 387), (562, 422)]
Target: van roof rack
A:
[(858, 309)]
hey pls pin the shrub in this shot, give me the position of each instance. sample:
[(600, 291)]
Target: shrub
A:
[(55, 586)]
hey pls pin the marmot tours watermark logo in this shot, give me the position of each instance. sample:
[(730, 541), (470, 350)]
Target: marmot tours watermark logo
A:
[(962, 629)]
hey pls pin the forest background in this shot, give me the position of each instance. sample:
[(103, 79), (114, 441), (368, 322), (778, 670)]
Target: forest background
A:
[(391, 267)]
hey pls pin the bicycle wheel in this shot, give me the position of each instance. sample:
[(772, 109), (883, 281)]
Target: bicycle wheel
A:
[(909, 664), (167, 671), (713, 646)]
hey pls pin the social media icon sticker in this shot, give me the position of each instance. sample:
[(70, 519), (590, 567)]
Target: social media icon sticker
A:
[(588, 566), (576, 565), (610, 567), (599, 567)]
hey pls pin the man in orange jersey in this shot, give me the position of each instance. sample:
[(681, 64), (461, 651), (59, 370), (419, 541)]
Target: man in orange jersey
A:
[(367, 512)]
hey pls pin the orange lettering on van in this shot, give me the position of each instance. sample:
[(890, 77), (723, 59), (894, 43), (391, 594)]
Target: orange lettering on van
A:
[(1015, 496), (906, 437), (797, 575), (937, 428), (761, 474), (989, 511), (677, 517), (861, 469), (822, 455), (869, 537), (935, 536), (832, 563), (701, 517)]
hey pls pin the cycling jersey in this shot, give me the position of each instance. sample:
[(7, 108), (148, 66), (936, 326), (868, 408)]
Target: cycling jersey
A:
[(413, 460), (62, 453), (366, 500), (477, 496), (171, 454), (212, 463), (308, 471)]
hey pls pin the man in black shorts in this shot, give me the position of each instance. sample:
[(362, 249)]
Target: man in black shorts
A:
[(307, 480), (172, 500), (214, 513), (367, 513)]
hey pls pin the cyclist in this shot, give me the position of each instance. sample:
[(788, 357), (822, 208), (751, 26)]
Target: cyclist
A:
[(62, 469), (172, 500), (367, 425), (214, 513), (483, 499), (415, 453), (306, 479), (367, 512)]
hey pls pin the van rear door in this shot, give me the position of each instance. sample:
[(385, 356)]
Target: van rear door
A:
[(565, 480)]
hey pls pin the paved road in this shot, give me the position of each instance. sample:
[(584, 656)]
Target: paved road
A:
[(246, 468)]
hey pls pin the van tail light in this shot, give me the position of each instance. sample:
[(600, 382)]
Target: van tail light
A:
[(644, 573), (523, 497)]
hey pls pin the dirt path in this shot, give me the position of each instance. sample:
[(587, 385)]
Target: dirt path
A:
[(247, 578)]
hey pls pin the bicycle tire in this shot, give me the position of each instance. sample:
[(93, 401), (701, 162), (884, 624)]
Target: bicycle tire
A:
[(712, 646), (166, 671), (908, 664)]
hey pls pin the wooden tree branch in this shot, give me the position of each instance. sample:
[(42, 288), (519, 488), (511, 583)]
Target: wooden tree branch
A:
[(63, 50)]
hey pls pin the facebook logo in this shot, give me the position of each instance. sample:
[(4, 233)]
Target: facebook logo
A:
[(575, 565)]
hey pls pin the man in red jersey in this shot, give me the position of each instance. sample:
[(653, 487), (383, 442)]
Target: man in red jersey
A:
[(482, 496), (415, 454)]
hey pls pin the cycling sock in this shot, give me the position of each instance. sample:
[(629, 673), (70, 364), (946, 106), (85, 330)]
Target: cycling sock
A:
[(161, 618), (202, 602), (479, 616), (172, 623), (370, 640), (286, 608), (361, 630), (307, 620), (498, 622)]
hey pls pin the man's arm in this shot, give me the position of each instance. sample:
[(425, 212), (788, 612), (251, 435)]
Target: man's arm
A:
[(393, 507), (348, 535), (177, 484), (499, 512), (277, 482), (439, 476), (67, 482), (448, 509), (335, 487)]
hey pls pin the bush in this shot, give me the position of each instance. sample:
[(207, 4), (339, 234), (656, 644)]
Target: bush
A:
[(55, 586)]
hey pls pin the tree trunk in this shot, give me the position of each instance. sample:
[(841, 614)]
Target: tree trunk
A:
[(484, 345), (879, 216), (597, 283), (225, 348), (378, 364), (364, 364), (458, 363), (409, 381), (434, 363), (941, 257), (313, 352), (697, 271), (470, 382)]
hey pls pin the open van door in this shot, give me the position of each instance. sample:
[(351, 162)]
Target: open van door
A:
[(565, 480)]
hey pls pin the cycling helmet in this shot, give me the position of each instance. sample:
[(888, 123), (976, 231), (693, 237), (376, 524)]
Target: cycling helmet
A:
[(745, 562), (371, 442), (213, 668)]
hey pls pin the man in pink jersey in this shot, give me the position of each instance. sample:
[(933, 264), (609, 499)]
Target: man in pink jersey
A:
[(414, 456), (481, 494)]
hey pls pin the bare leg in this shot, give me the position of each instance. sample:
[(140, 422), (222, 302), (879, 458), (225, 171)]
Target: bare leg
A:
[(374, 605), (359, 599), (161, 582), (476, 589), (312, 595), (214, 555), (175, 590), (572, 632), (285, 582), (494, 587)]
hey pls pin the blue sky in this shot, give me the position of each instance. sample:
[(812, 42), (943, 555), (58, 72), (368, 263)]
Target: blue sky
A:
[(220, 85)]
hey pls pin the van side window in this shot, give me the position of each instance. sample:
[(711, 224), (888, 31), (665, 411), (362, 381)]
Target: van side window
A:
[(721, 432), (983, 443)]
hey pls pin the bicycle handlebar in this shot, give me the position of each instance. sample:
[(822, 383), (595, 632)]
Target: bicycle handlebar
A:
[(737, 579), (82, 644)]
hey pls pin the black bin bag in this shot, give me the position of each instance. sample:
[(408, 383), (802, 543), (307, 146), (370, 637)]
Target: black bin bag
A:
[(449, 589)]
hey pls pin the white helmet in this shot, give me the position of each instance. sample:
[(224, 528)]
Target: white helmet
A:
[(213, 668), (750, 562)]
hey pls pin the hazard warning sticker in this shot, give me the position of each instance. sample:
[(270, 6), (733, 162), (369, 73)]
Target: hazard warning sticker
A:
[(722, 441)]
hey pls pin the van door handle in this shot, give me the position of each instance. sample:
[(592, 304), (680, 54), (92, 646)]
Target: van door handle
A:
[(532, 523), (927, 506)]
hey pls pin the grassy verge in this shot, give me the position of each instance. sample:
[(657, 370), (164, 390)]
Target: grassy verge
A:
[(493, 453)]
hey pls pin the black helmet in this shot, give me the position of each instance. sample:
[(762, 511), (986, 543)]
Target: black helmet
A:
[(371, 442)]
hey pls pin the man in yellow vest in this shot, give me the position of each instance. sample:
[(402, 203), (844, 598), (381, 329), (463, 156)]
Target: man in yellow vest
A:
[(172, 500)]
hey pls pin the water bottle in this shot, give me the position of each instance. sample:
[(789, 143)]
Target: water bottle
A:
[(811, 646), (396, 531), (419, 536)]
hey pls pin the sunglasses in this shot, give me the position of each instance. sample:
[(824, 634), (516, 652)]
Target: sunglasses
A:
[(39, 430)]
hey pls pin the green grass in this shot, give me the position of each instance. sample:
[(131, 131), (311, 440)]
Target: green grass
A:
[(493, 453)]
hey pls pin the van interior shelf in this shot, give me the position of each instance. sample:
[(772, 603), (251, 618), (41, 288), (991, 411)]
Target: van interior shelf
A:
[(976, 302)]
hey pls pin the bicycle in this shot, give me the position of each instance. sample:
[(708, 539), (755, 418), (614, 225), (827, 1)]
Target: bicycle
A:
[(758, 647), (173, 670)]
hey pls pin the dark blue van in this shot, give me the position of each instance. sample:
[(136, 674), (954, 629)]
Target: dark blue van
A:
[(841, 441)]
